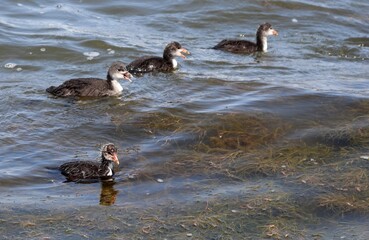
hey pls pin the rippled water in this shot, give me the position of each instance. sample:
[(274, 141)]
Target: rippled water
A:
[(180, 128)]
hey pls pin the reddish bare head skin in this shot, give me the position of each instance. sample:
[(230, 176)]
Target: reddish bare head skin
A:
[(127, 76), (115, 158)]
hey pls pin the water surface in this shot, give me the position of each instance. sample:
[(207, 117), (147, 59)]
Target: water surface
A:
[(229, 146)]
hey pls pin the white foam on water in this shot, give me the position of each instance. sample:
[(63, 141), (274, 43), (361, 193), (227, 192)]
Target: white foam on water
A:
[(10, 65), (110, 51), (91, 55)]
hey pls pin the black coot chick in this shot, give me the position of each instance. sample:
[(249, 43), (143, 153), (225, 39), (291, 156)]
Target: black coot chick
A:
[(167, 63), (88, 170), (244, 46), (94, 87)]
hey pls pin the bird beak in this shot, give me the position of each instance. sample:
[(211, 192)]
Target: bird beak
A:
[(275, 33), (115, 158), (127, 76), (183, 50)]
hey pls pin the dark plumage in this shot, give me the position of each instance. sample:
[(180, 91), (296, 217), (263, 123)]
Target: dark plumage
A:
[(94, 87), (80, 170), (244, 46), (167, 63)]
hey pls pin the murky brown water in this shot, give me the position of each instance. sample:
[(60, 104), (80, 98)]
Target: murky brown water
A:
[(227, 147)]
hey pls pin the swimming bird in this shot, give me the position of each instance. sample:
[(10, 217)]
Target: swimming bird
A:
[(244, 46), (94, 87), (81, 170), (167, 63)]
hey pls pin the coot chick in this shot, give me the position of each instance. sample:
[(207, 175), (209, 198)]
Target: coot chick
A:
[(244, 46), (167, 63), (88, 170), (94, 87)]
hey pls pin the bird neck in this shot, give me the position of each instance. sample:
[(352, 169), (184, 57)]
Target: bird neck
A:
[(109, 78), (174, 63), (115, 86), (106, 168), (262, 43), (167, 55)]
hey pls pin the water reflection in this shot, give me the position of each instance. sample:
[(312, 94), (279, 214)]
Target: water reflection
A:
[(108, 193)]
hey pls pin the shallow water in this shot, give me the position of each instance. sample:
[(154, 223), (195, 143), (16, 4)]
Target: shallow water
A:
[(194, 129)]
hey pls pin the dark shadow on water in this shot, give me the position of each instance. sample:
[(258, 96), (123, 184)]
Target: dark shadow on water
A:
[(108, 193)]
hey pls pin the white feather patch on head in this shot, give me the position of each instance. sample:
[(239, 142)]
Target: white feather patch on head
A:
[(270, 32), (178, 53), (117, 75)]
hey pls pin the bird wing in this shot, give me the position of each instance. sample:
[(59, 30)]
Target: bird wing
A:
[(80, 170), (241, 46), (145, 64), (80, 87)]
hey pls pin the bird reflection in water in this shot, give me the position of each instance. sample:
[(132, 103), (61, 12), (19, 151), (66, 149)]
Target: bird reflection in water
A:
[(108, 194)]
